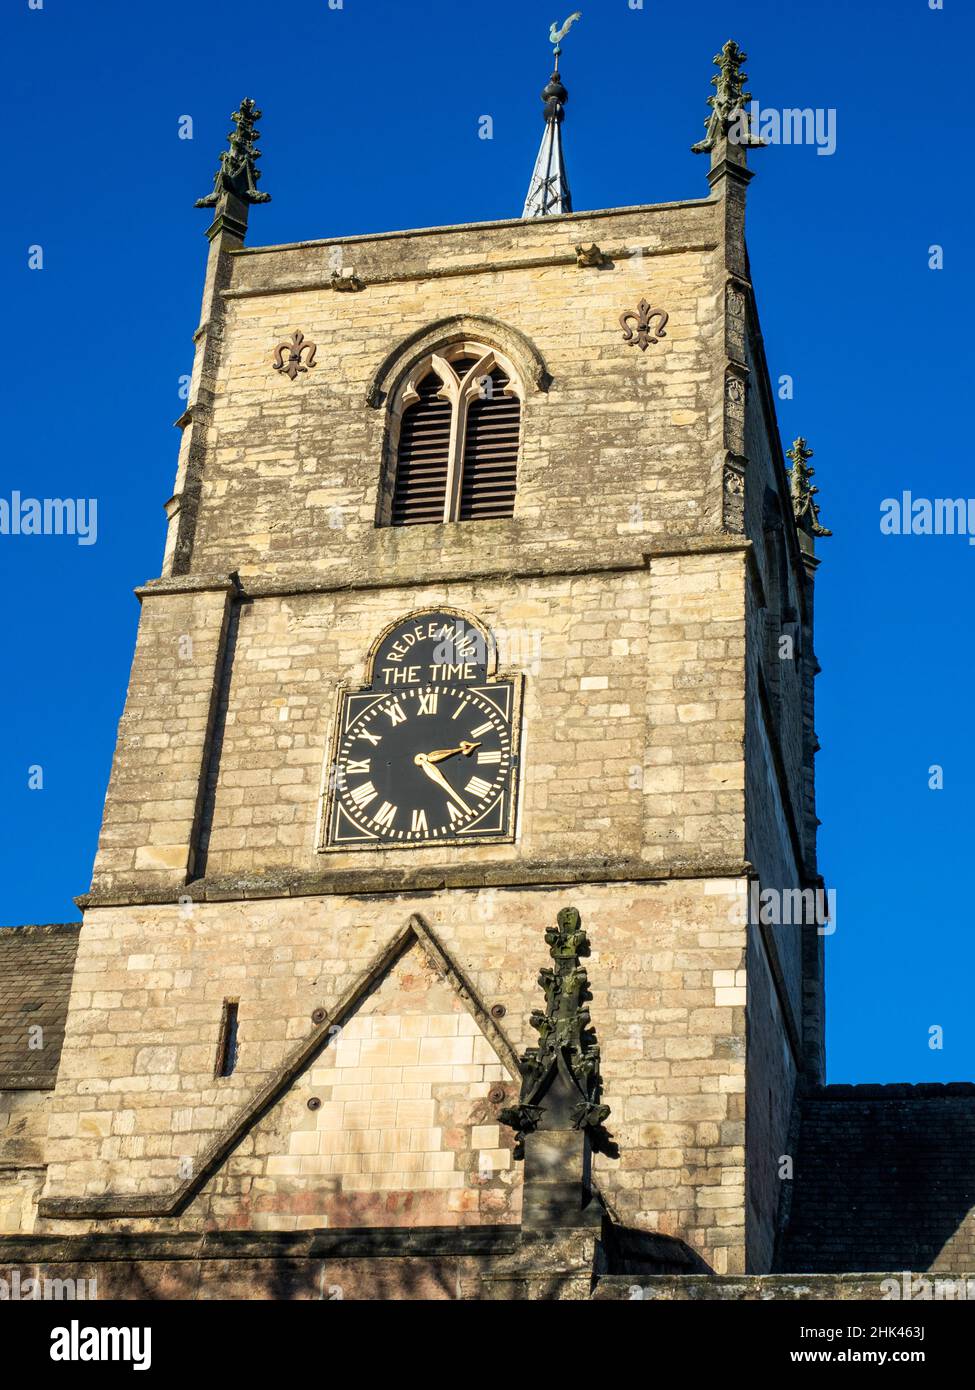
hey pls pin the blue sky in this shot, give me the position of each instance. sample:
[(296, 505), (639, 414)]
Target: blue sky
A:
[(371, 123)]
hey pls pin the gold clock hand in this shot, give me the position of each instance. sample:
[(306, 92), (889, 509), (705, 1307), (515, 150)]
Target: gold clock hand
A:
[(435, 775), (438, 754)]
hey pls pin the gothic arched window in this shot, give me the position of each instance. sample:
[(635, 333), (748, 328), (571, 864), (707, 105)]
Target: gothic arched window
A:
[(455, 437)]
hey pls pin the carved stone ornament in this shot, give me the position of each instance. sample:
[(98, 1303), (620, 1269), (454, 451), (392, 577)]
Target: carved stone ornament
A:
[(591, 256), (295, 348), (238, 172), (346, 280), (560, 1081), (804, 503), (729, 102), (643, 318), (734, 481)]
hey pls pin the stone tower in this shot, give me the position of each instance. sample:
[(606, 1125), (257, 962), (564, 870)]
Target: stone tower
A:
[(522, 480)]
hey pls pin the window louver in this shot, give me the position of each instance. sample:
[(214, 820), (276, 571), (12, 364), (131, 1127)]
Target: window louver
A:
[(423, 459), (491, 454)]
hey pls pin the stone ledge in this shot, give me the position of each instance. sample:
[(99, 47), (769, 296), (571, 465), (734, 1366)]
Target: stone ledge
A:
[(612, 254), (311, 583), (452, 1263), (360, 1242), (757, 1287), (422, 881), (565, 218), (189, 584)]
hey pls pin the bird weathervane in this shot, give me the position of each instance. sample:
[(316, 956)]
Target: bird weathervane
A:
[(556, 35)]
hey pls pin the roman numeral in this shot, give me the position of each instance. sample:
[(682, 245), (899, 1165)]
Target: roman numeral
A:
[(453, 813), (478, 787), (489, 757), (396, 714), (385, 815), (428, 702), (419, 820), (353, 766), (460, 709), (482, 729), (373, 738), (363, 794)]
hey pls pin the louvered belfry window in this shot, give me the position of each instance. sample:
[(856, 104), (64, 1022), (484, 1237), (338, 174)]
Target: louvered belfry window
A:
[(457, 446), (490, 452), (424, 457)]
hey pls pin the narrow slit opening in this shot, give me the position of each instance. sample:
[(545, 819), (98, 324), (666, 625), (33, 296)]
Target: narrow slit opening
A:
[(227, 1049)]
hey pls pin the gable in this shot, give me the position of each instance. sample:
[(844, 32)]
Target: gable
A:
[(393, 1123)]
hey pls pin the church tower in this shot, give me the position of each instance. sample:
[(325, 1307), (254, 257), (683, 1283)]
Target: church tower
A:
[(482, 646)]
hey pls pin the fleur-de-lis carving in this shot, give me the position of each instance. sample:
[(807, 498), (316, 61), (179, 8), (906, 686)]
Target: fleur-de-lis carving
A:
[(294, 349), (643, 317)]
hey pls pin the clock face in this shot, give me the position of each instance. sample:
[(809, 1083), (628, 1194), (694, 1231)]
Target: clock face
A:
[(427, 754)]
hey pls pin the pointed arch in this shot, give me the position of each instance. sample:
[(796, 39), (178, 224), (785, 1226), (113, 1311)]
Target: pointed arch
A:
[(453, 435), (519, 349)]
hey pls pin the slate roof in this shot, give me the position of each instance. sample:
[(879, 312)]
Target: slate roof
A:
[(36, 965), (884, 1178)]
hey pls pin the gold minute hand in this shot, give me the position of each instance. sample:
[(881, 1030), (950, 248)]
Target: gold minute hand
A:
[(422, 760), (438, 754)]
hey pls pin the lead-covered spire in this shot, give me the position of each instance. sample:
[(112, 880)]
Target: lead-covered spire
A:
[(548, 192)]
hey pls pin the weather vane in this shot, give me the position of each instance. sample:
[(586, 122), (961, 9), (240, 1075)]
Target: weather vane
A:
[(556, 35)]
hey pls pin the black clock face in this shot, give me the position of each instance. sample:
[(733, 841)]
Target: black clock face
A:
[(419, 760)]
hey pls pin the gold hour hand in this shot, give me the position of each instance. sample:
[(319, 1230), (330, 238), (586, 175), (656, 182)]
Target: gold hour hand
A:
[(438, 754), (422, 760)]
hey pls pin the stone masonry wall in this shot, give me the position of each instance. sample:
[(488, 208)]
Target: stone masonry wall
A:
[(395, 1139), (623, 604), (137, 1096), (632, 723), (616, 445), (23, 1134), (152, 804)]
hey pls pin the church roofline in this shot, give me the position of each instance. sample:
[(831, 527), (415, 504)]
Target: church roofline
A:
[(520, 222)]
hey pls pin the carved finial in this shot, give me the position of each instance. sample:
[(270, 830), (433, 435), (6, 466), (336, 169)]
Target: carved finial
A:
[(567, 1046), (804, 504), (238, 174), (728, 113)]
